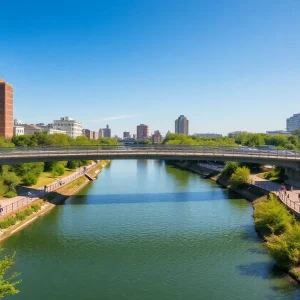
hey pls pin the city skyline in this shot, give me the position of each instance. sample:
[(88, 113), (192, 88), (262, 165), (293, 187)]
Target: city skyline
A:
[(150, 62)]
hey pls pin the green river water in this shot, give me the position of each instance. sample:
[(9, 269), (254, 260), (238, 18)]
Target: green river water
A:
[(145, 230)]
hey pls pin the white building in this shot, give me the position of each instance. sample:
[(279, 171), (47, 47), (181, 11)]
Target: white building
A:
[(293, 123), (72, 127), (18, 130)]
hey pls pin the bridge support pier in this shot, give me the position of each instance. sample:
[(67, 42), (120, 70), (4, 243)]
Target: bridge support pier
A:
[(293, 176)]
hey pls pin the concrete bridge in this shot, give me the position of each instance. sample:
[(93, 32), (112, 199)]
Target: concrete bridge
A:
[(284, 158)]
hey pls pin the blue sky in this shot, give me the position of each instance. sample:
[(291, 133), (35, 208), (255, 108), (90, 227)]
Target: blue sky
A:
[(227, 65)]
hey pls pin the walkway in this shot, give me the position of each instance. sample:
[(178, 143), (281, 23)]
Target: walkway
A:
[(30, 195), (291, 198)]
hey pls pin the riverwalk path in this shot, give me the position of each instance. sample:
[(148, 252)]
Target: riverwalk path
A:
[(28, 194)]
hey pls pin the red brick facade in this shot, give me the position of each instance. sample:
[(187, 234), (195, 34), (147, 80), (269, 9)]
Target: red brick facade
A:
[(6, 109)]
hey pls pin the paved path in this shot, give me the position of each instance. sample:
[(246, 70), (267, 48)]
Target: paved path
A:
[(291, 198), (30, 194)]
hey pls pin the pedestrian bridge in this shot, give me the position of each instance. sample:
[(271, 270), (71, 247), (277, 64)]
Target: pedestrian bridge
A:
[(284, 158)]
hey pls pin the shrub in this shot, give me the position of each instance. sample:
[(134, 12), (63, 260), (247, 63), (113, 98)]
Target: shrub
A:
[(271, 216), (29, 179), (21, 215), (35, 207), (230, 168), (10, 194), (240, 177), (285, 249), (8, 222)]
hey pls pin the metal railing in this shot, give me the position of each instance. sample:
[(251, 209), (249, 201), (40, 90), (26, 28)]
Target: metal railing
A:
[(39, 193), (136, 150)]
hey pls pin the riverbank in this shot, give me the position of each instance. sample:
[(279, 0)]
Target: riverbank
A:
[(259, 196), (49, 201)]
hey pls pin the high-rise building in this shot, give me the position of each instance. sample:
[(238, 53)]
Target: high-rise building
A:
[(126, 135), (72, 127), (182, 125), (101, 133), (6, 109), (107, 132), (88, 133), (156, 137), (293, 123), (142, 132)]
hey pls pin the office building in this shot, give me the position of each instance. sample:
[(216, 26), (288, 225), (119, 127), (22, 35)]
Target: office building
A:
[(101, 133), (95, 135), (182, 125), (142, 132), (91, 135), (107, 132), (104, 132), (293, 123), (71, 126), (126, 135), (156, 137), (6, 109)]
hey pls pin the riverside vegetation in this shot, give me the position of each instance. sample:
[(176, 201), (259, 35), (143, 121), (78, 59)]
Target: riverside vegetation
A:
[(281, 232), (27, 174)]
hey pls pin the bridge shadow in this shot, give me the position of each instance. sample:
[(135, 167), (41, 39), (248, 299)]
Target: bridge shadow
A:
[(106, 199)]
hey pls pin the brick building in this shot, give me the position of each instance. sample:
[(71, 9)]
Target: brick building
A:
[(6, 109)]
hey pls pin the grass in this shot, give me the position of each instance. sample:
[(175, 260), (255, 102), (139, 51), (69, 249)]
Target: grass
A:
[(46, 178)]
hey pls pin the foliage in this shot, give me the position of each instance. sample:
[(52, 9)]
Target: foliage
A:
[(285, 248), (73, 164), (277, 174), (29, 179), (271, 216), (7, 278), (240, 177), (10, 194), (20, 215), (257, 139), (180, 139), (230, 168), (10, 181)]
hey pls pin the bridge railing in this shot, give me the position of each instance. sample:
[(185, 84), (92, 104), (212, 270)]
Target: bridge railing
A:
[(151, 149)]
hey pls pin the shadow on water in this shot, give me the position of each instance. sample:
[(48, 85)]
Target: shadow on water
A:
[(263, 270), (145, 198)]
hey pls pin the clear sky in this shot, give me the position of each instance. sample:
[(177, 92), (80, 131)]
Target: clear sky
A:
[(225, 64)]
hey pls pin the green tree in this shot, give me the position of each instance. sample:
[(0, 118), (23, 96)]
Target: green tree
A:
[(7, 279), (58, 170), (230, 168), (240, 177), (73, 164), (29, 179), (10, 180), (271, 216)]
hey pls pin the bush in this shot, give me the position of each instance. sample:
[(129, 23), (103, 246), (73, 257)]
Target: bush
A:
[(36, 207), (230, 168), (285, 249), (10, 194), (271, 216), (10, 221), (240, 178), (29, 179), (21, 216)]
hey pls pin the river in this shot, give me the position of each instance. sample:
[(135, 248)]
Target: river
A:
[(146, 230)]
